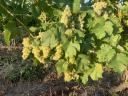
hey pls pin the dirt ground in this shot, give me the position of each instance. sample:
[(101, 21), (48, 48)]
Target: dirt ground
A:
[(50, 85)]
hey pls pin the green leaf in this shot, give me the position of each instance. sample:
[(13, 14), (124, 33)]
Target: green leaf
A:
[(72, 49), (76, 45), (7, 36), (97, 72), (70, 52), (119, 63), (108, 27), (85, 75), (106, 53), (10, 31), (61, 66), (82, 63), (114, 39), (84, 78), (79, 33), (98, 21), (35, 10), (53, 41), (99, 31), (98, 27), (76, 6), (84, 58), (49, 38)]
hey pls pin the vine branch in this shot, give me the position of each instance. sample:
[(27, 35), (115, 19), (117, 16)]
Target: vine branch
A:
[(18, 20)]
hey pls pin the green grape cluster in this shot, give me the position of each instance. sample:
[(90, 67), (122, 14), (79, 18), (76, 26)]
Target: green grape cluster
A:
[(46, 50), (81, 20), (69, 32), (58, 52), (99, 6), (68, 76), (42, 17), (26, 48), (65, 16)]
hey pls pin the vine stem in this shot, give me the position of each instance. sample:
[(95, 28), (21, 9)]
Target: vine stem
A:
[(18, 20)]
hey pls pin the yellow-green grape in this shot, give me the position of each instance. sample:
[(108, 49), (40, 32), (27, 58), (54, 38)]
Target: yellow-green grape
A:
[(65, 16), (42, 17), (46, 50), (58, 52), (72, 60), (69, 32), (25, 53), (99, 6), (26, 48), (26, 42), (68, 76), (58, 47), (40, 36), (37, 54), (105, 16), (36, 51), (57, 56), (81, 20), (41, 59)]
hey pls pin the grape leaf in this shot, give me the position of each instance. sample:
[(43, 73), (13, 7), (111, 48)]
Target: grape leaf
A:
[(108, 27), (49, 38), (97, 72), (114, 39), (61, 66), (7, 36), (119, 63), (76, 6), (84, 78), (99, 31), (10, 31), (106, 53), (72, 49), (82, 62)]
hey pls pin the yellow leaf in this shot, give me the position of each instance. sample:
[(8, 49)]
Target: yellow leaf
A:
[(97, 72)]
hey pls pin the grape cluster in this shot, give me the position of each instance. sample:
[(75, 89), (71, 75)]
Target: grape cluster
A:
[(68, 76), (42, 17), (58, 52), (36, 51), (26, 48), (99, 6), (37, 54), (41, 53), (40, 36), (72, 60), (65, 16), (46, 50), (69, 32), (81, 20), (105, 16)]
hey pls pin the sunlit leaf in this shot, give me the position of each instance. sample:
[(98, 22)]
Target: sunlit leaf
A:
[(97, 72)]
